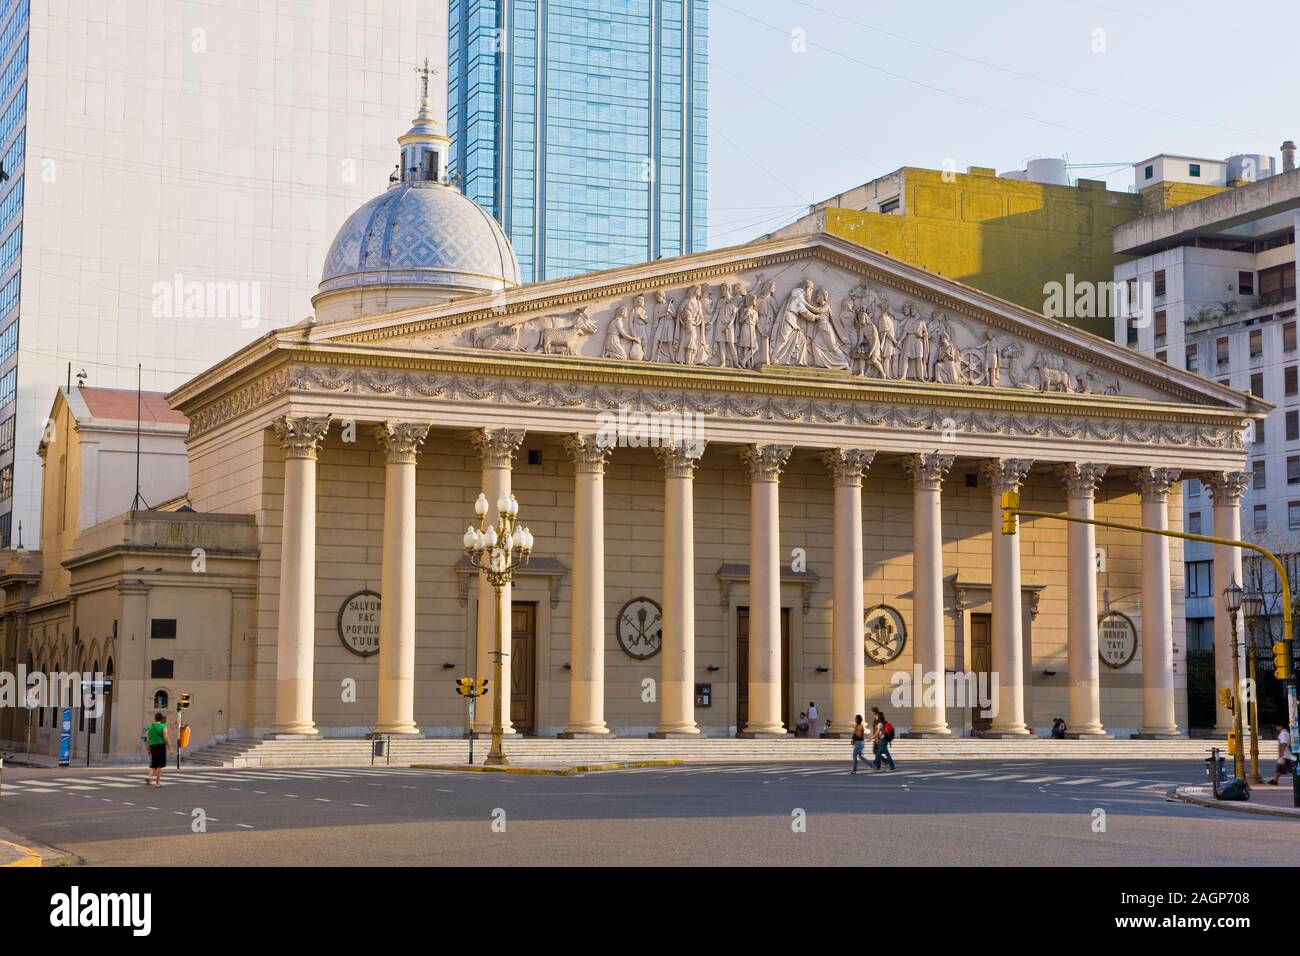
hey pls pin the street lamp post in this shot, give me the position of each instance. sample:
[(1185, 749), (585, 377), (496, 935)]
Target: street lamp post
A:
[(1232, 595), (1253, 609), (497, 550)]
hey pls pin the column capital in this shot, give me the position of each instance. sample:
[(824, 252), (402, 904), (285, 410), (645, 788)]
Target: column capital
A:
[(1226, 487), (847, 465), (1154, 483), (1005, 474), (300, 437), (928, 470), (497, 445), (588, 454), (1081, 478), (765, 461), (401, 440), (680, 461)]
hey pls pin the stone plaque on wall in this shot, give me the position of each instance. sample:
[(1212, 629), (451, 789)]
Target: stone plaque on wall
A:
[(1116, 639), (359, 623)]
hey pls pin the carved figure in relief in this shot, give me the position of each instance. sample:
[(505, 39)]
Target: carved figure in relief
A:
[(662, 348), (825, 347), (915, 345), (558, 339), (620, 342), (496, 338), (947, 366), (889, 345), (724, 331), (690, 327), (790, 342), (640, 326), (747, 332), (766, 304), (992, 361)]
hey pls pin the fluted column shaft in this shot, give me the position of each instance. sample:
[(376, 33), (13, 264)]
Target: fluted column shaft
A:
[(1008, 654), (677, 645), (1158, 716), (296, 633), (587, 634), (1083, 663), (846, 466), (927, 473), (1226, 489), (400, 442), (497, 447), (765, 463)]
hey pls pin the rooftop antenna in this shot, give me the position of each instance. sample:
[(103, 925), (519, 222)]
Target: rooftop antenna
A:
[(67, 390), (20, 536), (139, 498)]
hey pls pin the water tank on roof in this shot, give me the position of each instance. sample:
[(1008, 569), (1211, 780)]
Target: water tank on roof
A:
[(1050, 172), (1250, 167)]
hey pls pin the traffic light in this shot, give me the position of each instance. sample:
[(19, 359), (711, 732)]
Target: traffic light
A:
[(1225, 699), (1281, 661), (465, 686), (1010, 505), (183, 702), (482, 686)]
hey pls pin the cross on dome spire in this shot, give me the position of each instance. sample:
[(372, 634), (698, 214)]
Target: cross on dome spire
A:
[(425, 71)]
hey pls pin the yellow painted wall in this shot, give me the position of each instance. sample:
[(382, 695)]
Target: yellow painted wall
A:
[(1168, 195), (1002, 236)]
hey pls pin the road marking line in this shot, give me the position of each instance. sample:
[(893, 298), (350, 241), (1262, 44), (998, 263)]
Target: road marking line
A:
[(1081, 780), (361, 805), (244, 825), (1006, 776), (294, 795), (1041, 780), (106, 800), (1119, 783), (321, 799), (127, 803), (262, 792)]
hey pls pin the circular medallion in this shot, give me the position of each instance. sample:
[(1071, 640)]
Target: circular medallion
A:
[(1116, 639), (640, 628), (359, 623), (884, 634)]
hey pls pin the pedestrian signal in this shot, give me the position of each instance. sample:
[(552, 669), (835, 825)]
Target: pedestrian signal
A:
[(183, 702), (465, 686), (1281, 661), (1010, 505)]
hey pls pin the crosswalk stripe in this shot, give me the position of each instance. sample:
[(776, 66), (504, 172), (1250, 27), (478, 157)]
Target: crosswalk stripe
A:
[(1005, 776), (1119, 783), (1081, 780), (1040, 780)]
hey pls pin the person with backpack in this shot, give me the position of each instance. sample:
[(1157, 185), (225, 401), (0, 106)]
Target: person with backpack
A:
[(882, 733), (859, 741)]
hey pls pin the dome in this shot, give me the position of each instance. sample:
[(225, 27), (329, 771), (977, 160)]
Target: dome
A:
[(420, 233)]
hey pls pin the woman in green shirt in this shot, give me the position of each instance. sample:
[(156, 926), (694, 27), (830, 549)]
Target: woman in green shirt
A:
[(159, 743)]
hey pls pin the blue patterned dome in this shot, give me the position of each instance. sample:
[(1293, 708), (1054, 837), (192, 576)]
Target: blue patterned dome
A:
[(421, 232)]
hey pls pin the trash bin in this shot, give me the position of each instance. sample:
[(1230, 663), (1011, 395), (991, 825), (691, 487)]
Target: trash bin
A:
[(379, 747), (1211, 768)]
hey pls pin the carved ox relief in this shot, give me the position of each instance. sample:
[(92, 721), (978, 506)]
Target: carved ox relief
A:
[(808, 315)]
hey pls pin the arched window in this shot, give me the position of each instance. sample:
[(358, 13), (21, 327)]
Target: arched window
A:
[(160, 699)]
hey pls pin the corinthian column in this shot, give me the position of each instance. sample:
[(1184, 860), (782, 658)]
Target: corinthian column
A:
[(1008, 645), (677, 645), (765, 463), (847, 466), (497, 447), (1081, 480), (401, 442), (1226, 489), (1158, 718), (587, 632), (296, 639), (927, 472)]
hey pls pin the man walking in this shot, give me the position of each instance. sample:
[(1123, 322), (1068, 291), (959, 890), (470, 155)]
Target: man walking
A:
[(882, 732), (1283, 765)]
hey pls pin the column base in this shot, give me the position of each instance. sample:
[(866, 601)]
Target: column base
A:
[(278, 733), (763, 735), (405, 729), (1088, 735), (584, 735), (674, 735), (1159, 735)]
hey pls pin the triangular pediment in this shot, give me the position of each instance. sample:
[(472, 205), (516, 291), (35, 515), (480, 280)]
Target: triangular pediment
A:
[(815, 304)]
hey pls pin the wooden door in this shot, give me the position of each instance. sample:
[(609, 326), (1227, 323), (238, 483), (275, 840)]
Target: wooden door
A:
[(742, 668), (981, 662), (523, 666)]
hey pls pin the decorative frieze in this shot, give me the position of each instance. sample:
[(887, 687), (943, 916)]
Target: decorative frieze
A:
[(765, 461), (401, 440), (1081, 478), (300, 437), (847, 465), (927, 471)]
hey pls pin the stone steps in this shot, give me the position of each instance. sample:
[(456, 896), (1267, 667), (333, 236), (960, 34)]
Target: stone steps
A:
[(354, 752)]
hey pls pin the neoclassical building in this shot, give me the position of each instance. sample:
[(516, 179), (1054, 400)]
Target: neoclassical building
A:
[(757, 477)]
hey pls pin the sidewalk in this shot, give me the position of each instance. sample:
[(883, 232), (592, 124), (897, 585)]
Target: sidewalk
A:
[(12, 854), (1271, 801)]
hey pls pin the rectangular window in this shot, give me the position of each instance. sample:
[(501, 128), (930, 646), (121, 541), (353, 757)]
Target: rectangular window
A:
[(163, 628), (1257, 384), (1259, 432), (160, 668), (1245, 283), (1293, 426), (1162, 327), (1193, 487), (1277, 284), (1292, 516), (1194, 169), (1199, 580), (1148, 172), (1256, 343), (1261, 515), (1191, 358), (890, 205), (1222, 353), (1194, 523), (1290, 384), (1293, 469), (1159, 282), (1257, 473), (1132, 334), (1288, 337)]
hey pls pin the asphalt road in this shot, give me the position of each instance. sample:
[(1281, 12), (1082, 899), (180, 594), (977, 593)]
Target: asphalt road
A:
[(932, 813)]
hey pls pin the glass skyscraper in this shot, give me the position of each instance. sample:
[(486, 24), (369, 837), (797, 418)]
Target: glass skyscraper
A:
[(581, 125)]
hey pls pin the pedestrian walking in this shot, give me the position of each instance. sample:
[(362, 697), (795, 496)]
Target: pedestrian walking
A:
[(812, 719), (159, 743), (859, 741), (882, 733), (1283, 765)]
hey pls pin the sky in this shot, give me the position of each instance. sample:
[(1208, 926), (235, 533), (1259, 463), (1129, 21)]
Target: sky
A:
[(811, 97)]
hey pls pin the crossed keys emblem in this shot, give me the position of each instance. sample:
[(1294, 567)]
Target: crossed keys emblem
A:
[(640, 628)]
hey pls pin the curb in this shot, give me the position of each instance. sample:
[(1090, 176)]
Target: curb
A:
[(29, 857), (1184, 794), (568, 770)]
